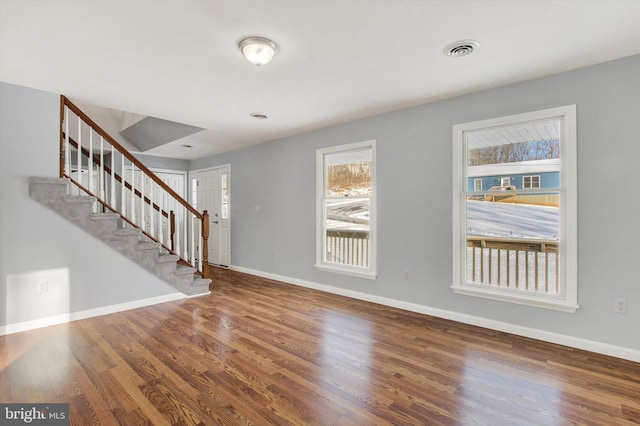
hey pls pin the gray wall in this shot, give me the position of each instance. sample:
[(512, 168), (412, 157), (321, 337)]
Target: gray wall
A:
[(414, 201), (163, 162), (36, 244)]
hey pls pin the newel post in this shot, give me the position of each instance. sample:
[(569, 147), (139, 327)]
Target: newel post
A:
[(172, 230), (62, 159), (205, 244)]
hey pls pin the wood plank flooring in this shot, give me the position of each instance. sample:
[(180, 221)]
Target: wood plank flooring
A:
[(261, 352)]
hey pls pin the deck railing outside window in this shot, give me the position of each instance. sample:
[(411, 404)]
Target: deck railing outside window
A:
[(530, 265), (348, 248)]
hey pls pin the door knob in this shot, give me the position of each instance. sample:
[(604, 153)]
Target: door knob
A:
[(215, 221)]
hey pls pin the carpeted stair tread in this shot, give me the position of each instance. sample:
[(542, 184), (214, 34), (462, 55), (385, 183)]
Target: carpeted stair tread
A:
[(148, 245), (127, 231), (167, 258), (184, 270), (105, 216), (201, 281), (79, 199), (49, 180)]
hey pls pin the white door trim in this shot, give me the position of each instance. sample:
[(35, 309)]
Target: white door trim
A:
[(226, 166)]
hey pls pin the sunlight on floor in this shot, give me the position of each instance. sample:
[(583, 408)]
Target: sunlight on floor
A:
[(346, 347), (36, 295)]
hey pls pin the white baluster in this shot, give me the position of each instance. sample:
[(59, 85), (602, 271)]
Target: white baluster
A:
[(151, 210), (178, 228), (90, 162), (200, 253), (133, 194), (123, 209), (67, 149), (143, 220), (193, 240), (161, 228), (185, 243), (102, 196), (79, 156), (112, 187)]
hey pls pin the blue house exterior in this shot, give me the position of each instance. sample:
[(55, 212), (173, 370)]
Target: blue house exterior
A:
[(538, 174)]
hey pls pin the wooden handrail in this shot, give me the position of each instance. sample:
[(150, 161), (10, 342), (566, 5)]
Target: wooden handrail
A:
[(123, 151), (66, 139), (543, 246)]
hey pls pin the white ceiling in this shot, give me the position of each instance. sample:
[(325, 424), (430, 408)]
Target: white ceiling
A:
[(338, 60)]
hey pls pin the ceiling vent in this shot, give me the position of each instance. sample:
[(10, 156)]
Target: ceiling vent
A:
[(258, 116), (461, 48)]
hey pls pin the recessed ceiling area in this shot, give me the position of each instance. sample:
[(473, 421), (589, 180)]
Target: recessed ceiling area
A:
[(336, 61), (151, 132)]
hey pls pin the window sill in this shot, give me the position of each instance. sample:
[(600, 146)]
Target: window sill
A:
[(529, 300), (370, 275)]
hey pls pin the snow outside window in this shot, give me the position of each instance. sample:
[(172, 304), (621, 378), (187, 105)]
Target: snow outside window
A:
[(517, 245), (346, 209)]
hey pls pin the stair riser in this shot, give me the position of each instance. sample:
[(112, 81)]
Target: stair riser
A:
[(101, 228), (127, 245), (78, 213), (166, 268), (182, 283), (45, 192)]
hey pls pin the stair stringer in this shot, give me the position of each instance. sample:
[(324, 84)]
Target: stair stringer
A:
[(108, 227)]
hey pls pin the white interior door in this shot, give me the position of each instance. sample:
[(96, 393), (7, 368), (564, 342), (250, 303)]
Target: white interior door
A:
[(213, 195)]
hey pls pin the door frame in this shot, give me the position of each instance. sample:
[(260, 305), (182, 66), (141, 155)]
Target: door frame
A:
[(190, 189)]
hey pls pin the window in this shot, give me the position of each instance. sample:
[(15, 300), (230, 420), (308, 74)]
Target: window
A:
[(224, 193), (518, 245), (477, 184), (505, 181), (531, 182), (346, 209)]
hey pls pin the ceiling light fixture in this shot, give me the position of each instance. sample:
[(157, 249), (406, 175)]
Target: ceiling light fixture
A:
[(461, 48), (258, 50)]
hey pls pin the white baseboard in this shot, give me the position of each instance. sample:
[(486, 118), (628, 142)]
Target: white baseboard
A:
[(533, 333), (198, 295), (89, 313)]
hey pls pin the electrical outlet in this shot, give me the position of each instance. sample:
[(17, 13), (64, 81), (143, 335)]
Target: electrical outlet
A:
[(43, 286), (406, 276), (621, 306)]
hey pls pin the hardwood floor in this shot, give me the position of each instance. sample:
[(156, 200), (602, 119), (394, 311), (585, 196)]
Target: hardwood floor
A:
[(261, 352)]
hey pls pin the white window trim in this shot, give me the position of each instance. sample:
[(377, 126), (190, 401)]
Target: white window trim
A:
[(567, 301), (371, 271)]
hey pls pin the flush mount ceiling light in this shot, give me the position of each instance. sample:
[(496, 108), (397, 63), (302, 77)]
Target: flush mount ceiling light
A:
[(258, 50), (461, 48)]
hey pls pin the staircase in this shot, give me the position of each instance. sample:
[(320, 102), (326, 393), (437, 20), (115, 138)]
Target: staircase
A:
[(113, 231)]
